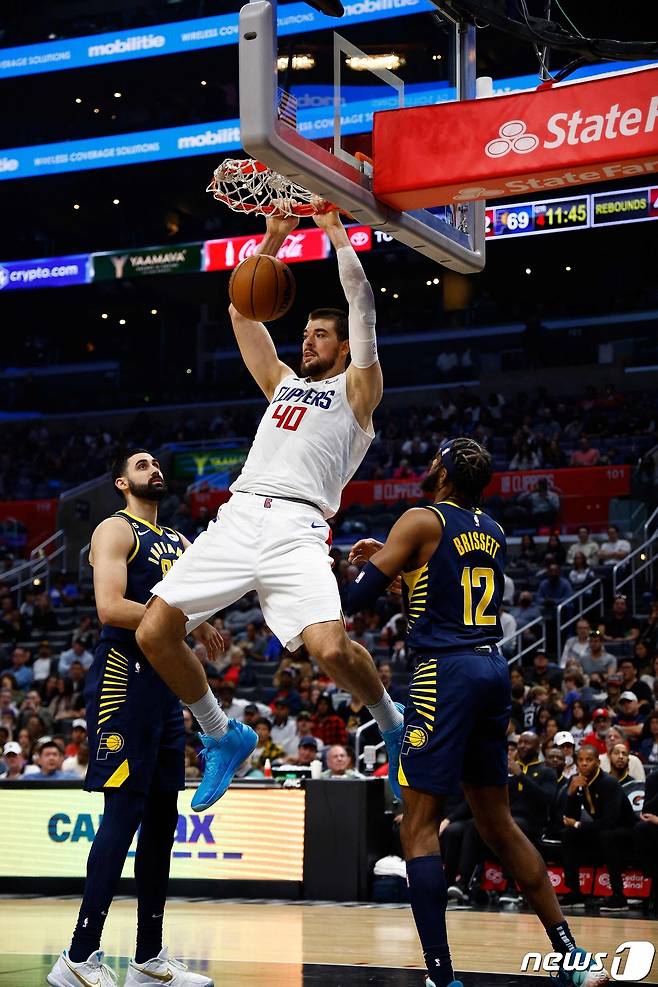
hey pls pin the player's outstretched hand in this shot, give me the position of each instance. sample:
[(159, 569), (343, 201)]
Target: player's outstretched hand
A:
[(325, 220), (364, 550), (279, 223), (210, 637)]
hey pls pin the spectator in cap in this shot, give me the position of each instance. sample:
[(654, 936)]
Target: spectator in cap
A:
[(305, 728), (613, 691), (13, 762), (629, 719), (565, 741), (600, 726), (50, 761), (326, 724), (631, 683), (307, 752), (78, 737), (251, 714), (338, 764), (543, 671), (598, 660), (635, 766), (284, 726)]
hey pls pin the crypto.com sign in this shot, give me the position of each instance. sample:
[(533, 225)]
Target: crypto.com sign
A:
[(556, 137), (632, 961)]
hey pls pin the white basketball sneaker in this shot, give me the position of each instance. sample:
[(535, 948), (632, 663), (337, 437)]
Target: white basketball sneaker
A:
[(163, 969), (92, 973)]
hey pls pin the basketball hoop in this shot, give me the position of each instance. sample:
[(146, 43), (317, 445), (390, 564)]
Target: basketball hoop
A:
[(245, 185)]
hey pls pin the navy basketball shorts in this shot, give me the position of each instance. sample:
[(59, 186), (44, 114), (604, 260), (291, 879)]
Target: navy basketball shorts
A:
[(134, 723), (455, 723)]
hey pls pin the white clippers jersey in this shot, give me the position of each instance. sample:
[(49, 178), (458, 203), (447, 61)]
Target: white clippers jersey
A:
[(308, 444)]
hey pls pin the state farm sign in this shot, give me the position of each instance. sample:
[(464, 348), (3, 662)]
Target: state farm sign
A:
[(556, 137), (301, 245)]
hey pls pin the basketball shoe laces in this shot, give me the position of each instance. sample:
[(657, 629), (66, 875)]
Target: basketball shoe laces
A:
[(108, 978)]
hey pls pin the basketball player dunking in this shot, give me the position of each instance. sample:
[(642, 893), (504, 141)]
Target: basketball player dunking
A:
[(452, 557), (272, 536), (136, 738)]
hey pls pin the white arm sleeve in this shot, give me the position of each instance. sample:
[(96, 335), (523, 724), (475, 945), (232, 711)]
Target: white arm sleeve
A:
[(361, 302)]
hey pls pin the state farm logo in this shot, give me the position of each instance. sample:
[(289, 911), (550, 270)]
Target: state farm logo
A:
[(512, 136)]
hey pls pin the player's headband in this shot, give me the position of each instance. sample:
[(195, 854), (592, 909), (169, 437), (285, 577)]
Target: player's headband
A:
[(447, 461)]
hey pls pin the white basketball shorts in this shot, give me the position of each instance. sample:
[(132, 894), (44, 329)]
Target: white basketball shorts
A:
[(278, 548)]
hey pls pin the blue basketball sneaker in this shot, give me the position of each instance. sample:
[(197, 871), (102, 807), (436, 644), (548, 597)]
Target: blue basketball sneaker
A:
[(393, 741), (582, 977), (455, 983), (222, 758)]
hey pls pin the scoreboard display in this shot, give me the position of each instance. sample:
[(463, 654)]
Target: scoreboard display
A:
[(579, 212), (545, 216)]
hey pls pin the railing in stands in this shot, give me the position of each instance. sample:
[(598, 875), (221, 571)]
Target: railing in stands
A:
[(651, 525), (513, 646), (43, 561), (627, 572), (570, 611)]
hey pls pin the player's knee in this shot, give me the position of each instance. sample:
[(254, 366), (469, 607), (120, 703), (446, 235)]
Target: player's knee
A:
[(418, 836), (334, 655)]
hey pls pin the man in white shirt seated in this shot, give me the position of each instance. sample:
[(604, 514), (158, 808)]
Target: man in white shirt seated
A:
[(586, 545), (615, 548)]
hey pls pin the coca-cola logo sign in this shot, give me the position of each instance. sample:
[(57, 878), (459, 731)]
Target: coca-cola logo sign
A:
[(301, 245)]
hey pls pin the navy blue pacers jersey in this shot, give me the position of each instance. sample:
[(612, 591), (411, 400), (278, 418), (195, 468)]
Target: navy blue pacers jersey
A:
[(154, 551), (459, 697), (134, 720), (453, 600)]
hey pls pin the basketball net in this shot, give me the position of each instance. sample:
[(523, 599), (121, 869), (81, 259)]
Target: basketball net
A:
[(245, 185)]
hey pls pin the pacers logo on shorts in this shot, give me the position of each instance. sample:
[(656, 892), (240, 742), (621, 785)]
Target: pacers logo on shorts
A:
[(109, 743), (415, 738)]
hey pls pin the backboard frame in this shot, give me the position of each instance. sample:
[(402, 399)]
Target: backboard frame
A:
[(280, 147)]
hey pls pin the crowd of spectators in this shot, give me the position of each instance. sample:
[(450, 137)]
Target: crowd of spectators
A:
[(592, 706), (525, 432)]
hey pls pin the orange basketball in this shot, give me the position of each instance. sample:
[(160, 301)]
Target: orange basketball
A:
[(262, 288)]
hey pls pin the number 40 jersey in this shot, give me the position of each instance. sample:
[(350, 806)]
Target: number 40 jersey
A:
[(308, 444), (452, 601)]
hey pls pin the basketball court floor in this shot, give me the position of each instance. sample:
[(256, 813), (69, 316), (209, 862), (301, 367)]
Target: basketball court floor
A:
[(291, 945)]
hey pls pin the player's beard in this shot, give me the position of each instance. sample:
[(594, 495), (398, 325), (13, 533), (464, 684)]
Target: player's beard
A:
[(317, 366), (148, 491)]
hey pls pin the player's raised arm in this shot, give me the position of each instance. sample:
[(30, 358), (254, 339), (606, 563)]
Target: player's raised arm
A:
[(111, 544), (254, 341), (364, 374)]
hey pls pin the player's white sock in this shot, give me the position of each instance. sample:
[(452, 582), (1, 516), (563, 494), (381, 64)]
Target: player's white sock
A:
[(211, 717), (386, 713)]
